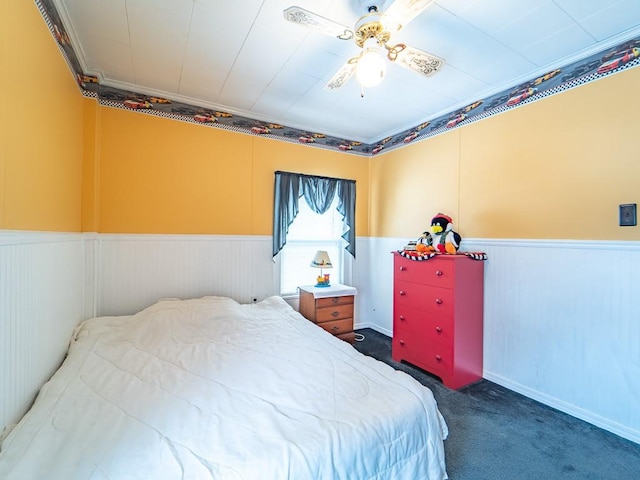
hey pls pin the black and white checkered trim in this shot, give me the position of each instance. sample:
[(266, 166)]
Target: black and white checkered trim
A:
[(420, 256)]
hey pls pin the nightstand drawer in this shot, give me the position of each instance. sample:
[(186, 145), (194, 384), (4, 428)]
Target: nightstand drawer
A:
[(338, 327), (331, 301), (334, 312)]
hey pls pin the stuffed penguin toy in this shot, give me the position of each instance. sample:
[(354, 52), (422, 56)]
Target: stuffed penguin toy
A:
[(443, 238)]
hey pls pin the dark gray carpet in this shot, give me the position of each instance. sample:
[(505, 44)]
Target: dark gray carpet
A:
[(496, 434)]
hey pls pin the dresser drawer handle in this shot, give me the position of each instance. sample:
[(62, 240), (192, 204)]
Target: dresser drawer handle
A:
[(439, 329), (439, 273), (439, 301), (402, 269), (335, 313), (402, 317), (438, 358), (335, 299), (401, 342), (402, 292), (335, 329)]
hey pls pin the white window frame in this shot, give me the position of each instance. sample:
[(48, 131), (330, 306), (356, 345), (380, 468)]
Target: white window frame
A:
[(342, 274)]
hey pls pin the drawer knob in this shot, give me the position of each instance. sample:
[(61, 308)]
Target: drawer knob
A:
[(335, 313), (438, 358), (335, 329), (439, 329), (439, 273), (402, 292), (402, 269), (401, 342), (335, 299), (439, 301), (402, 317)]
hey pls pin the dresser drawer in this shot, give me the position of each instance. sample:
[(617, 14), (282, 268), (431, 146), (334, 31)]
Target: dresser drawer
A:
[(436, 271), (429, 327), (438, 358), (334, 312), (435, 358), (338, 327), (432, 299)]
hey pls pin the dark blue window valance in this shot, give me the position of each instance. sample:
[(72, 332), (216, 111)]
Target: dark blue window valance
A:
[(319, 193)]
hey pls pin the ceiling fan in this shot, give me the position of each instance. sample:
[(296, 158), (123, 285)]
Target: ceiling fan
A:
[(372, 34)]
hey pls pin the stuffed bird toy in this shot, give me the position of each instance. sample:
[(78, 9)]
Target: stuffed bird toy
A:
[(442, 238)]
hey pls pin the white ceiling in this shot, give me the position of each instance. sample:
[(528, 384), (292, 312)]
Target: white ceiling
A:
[(243, 57)]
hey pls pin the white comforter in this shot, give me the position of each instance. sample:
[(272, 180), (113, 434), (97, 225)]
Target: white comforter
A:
[(209, 388)]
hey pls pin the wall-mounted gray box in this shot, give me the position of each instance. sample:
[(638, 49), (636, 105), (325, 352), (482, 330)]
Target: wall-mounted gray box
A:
[(628, 215)]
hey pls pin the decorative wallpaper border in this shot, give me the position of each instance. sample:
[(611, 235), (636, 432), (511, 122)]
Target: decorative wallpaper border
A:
[(612, 60)]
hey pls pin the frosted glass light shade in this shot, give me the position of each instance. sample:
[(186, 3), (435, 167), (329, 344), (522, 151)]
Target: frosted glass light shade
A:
[(371, 67)]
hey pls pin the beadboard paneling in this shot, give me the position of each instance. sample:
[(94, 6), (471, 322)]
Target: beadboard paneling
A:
[(562, 325), (137, 270), (41, 301), (375, 284)]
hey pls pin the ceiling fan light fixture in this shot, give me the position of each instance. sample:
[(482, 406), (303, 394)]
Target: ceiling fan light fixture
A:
[(371, 67), (372, 35)]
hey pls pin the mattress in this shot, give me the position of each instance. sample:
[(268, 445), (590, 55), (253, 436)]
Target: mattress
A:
[(212, 389)]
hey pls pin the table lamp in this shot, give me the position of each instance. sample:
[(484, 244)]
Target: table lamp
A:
[(321, 260)]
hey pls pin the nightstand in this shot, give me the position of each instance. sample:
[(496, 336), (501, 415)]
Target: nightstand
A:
[(330, 308)]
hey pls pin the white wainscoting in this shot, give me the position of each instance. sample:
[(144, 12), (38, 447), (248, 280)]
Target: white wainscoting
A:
[(134, 271), (561, 323), (374, 281), (562, 318), (42, 289)]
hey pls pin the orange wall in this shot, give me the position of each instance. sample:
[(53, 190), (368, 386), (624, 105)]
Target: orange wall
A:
[(157, 175), (410, 185), (555, 169), (41, 124)]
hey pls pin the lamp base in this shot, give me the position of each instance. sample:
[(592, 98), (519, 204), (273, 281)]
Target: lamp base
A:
[(322, 280)]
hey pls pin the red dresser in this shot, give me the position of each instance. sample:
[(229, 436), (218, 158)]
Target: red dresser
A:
[(437, 316)]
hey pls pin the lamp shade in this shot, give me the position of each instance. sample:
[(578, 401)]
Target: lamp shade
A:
[(321, 260)]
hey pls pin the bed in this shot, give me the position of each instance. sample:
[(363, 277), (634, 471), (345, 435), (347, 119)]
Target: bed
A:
[(210, 388)]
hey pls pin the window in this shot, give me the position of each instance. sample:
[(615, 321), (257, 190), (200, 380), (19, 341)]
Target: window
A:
[(299, 198), (309, 233)]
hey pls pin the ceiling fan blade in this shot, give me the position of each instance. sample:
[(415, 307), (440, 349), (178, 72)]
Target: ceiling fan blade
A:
[(401, 12), (306, 18), (343, 75), (417, 60)]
